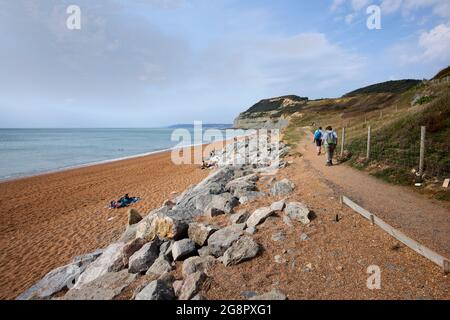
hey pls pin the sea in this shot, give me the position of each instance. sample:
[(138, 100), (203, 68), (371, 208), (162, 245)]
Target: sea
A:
[(27, 152)]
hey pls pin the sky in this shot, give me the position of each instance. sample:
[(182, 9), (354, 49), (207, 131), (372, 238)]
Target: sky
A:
[(151, 63)]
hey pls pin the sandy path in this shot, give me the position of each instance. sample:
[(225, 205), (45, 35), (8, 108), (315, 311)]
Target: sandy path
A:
[(425, 220), (46, 220)]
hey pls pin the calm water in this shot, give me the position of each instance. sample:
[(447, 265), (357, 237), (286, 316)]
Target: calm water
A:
[(26, 152)]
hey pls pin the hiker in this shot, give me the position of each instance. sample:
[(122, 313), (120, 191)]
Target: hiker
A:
[(318, 140), (330, 141)]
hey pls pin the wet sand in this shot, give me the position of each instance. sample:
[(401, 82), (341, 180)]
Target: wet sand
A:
[(48, 219)]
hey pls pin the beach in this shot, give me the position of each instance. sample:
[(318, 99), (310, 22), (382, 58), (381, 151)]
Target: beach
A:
[(46, 220)]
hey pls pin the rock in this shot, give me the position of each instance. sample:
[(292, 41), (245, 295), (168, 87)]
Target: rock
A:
[(279, 236), (298, 211), (259, 216), (240, 217), (304, 237), (168, 203), (130, 248), (214, 212), (160, 266), (248, 294), (287, 221), (246, 183), (308, 268), (275, 294), (177, 285), (242, 250), (224, 202), (278, 206), (199, 233), (182, 249), (133, 217), (222, 239), (282, 188), (141, 260), (129, 234), (105, 287), (156, 290), (198, 297), (143, 228), (53, 282), (168, 227), (279, 259), (192, 285), (110, 260), (84, 260), (196, 264), (251, 230), (165, 250), (249, 196)]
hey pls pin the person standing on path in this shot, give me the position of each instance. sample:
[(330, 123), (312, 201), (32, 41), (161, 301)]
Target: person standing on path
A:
[(330, 141), (318, 140)]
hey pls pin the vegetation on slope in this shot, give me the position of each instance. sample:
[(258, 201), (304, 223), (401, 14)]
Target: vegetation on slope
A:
[(397, 87)]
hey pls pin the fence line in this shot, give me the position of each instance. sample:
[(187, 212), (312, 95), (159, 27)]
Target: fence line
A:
[(441, 261)]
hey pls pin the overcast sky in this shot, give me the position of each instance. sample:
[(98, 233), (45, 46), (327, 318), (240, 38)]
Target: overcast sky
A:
[(149, 63)]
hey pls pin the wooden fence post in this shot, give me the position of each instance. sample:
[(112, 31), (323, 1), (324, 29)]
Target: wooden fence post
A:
[(343, 141), (422, 149), (368, 143)]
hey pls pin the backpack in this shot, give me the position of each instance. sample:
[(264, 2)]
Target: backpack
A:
[(331, 138), (317, 135)]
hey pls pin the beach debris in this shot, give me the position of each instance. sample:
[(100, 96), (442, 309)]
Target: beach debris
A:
[(275, 294), (242, 250), (183, 249), (142, 259), (156, 290), (110, 260), (199, 233), (192, 285), (282, 188), (105, 287), (222, 239), (258, 216), (298, 211), (133, 217), (196, 264)]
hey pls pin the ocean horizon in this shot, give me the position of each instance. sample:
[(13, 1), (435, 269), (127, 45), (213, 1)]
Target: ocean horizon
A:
[(32, 151)]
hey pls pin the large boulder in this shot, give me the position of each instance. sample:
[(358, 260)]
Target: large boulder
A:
[(259, 216), (130, 248), (156, 290), (141, 260), (165, 250), (192, 285), (246, 183), (129, 234), (222, 239), (298, 211), (160, 266), (243, 249), (249, 196), (110, 260), (166, 227), (199, 233), (196, 264), (239, 217), (105, 287), (224, 202), (282, 188), (278, 206), (182, 249)]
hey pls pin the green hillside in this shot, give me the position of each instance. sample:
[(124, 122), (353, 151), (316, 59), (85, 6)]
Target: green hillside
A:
[(399, 86)]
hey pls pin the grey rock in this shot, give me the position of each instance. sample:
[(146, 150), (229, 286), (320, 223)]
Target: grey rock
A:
[(275, 294), (129, 234), (242, 250), (199, 233), (222, 239), (109, 261), (279, 236), (224, 202), (177, 285), (198, 297), (282, 188), (192, 285), (214, 212), (157, 290), (141, 260), (160, 266), (304, 237), (287, 221), (248, 294), (196, 264), (240, 217), (105, 287), (259, 216), (278, 206), (84, 260), (249, 196), (298, 211), (182, 249), (251, 230), (165, 250), (130, 248)]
